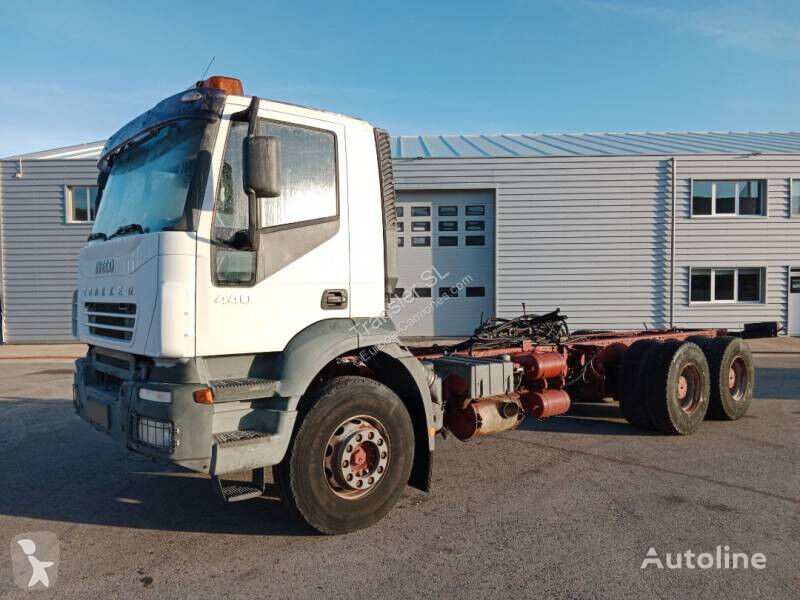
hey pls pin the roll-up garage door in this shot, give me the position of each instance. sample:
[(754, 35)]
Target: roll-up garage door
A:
[(445, 262)]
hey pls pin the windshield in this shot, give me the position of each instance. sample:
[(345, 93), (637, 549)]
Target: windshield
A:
[(148, 184)]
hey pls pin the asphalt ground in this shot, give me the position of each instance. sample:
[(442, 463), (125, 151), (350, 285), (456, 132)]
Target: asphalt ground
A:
[(566, 507)]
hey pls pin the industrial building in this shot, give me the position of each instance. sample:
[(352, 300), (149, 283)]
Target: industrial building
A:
[(620, 231)]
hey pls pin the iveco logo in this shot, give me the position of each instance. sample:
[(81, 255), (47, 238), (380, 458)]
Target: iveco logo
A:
[(104, 267)]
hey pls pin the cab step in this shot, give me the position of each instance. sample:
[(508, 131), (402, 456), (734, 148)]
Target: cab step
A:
[(235, 491), (240, 436), (243, 388)]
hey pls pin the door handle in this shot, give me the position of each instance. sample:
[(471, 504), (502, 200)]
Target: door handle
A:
[(334, 299)]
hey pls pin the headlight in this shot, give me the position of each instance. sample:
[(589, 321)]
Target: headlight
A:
[(155, 395)]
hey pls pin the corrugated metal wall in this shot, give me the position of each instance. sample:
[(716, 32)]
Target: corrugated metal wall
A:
[(772, 242), (39, 249), (591, 234)]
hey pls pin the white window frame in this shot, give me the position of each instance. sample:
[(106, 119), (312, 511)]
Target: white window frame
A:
[(762, 290), (793, 215), (714, 181), (68, 188)]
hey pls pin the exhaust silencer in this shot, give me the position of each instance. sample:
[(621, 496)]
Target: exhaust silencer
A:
[(485, 416)]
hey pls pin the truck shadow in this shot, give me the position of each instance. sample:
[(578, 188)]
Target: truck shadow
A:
[(590, 418), (58, 469)]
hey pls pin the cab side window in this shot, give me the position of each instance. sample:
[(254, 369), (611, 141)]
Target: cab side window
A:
[(309, 194), (308, 176)]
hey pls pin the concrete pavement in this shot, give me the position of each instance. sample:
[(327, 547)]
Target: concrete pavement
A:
[(562, 508)]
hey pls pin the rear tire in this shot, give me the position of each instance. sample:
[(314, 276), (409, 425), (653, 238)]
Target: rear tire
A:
[(677, 386), (732, 377), (350, 458), (630, 392)]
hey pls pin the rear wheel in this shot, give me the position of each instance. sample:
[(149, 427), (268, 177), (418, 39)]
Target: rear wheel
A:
[(630, 392), (732, 377), (677, 387), (350, 458)]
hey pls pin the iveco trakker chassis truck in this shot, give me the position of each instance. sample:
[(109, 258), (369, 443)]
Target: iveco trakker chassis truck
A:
[(236, 294)]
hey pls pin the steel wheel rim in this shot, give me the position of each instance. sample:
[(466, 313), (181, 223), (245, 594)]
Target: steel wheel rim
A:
[(690, 388), (738, 379), (356, 457)]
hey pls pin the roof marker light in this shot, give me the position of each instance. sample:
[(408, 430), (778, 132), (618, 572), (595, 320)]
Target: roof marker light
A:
[(191, 96), (228, 85)]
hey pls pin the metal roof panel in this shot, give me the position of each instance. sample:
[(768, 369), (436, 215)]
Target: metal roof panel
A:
[(510, 145), (596, 144)]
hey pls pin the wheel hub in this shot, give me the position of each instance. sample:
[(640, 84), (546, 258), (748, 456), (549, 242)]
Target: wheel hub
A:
[(356, 457), (683, 387), (689, 388), (738, 379)]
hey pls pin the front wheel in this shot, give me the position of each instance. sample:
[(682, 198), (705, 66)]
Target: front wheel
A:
[(350, 457)]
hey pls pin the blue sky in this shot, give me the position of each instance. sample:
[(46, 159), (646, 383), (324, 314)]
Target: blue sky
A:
[(75, 72)]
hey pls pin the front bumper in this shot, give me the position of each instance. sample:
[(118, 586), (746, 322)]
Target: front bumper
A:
[(181, 431)]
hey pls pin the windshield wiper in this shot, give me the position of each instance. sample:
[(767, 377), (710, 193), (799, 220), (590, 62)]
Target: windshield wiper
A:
[(126, 229), (97, 236)]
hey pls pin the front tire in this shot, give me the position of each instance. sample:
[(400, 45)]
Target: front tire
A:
[(350, 458)]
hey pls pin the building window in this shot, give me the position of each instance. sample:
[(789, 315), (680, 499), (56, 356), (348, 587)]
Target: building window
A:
[(795, 209), (420, 211), (421, 292), (475, 240), (448, 292), (476, 291), (420, 241), (420, 225), (448, 211), (448, 225), (448, 240), (726, 285), (728, 198), (400, 242), (399, 211), (476, 210), (82, 203), (400, 227), (475, 226)]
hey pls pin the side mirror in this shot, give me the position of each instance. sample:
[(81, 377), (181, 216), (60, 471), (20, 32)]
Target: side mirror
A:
[(262, 165)]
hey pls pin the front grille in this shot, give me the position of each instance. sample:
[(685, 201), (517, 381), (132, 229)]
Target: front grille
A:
[(115, 320), (112, 361), (108, 382), (153, 433)]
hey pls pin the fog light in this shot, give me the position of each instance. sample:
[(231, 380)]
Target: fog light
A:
[(155, 433), (155, 395)]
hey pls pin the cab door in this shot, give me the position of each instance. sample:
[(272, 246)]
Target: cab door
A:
[(256, 301)]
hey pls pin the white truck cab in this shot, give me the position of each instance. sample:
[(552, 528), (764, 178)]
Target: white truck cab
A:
[(243, 253)]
